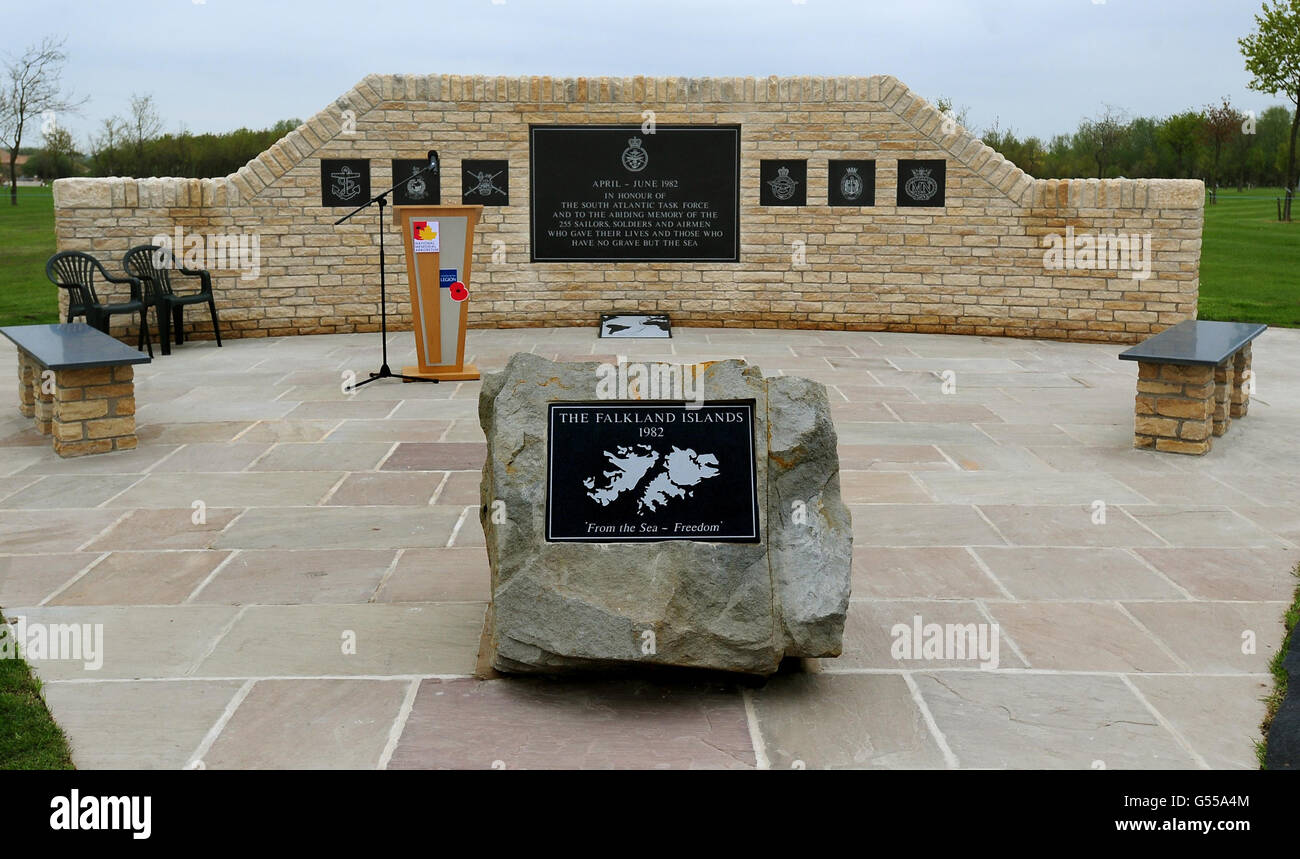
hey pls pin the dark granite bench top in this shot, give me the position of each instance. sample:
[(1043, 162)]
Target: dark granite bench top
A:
[(72, 346), (1194, 342)]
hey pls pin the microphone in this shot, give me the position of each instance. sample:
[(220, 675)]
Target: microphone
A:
[(433, 160)]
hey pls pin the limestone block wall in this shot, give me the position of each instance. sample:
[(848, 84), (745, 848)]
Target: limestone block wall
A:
[(975, 266)]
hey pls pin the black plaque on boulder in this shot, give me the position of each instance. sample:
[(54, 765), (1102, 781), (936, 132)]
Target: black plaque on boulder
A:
[(613, 193), (851, 183), (783, 182), (485, 183), (620, 472), (344, 181), (421, 189), (921, 182)]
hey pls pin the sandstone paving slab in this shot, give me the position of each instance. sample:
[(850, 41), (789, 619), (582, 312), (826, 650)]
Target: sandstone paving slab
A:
[(974, 487), (891, 457), (937, 572), (158, 578), (1122, 460), (1229, 574), (843, 721), (1003, 720), (1006, 457), (1026, 434), (1080, 636), (297, 577), (139, 641), (389, 431), (341, 528), (64, 491), (874, 638), (1218, 717), (296, 430), (184, 528), (449, 456), (11, 485), (1044, 525), (1214, 637), (353, 407), (1282, 522), (535, 723), (211, 456), (311, 640), (1176, 489), (908, 433), (135, 461), (309, 724), (921, 525), (464, 430), (847, 413), (874, 487), (28, 579), (439, 575), (14, 460), (137, 725), (237, 489), (1202, 526), (952, 413), (386, 488), (461, 488), (342, 456), (39, 531), (1053, 573), (452, 410), (229, 406)]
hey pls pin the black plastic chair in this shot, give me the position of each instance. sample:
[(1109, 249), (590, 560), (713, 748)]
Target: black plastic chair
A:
[(75, 272), (154, 265)]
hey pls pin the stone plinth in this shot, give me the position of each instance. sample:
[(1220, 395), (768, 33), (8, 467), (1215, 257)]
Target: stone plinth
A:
[(736, 606)]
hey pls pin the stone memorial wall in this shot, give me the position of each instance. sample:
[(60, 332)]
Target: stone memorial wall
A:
[(837, 203)]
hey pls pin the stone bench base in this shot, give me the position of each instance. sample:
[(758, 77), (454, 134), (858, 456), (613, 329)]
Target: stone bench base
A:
[(87, 411), (1181, 408)]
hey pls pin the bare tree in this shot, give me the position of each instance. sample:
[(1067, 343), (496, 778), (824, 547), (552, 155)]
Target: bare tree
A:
[(1222, 125), (32, 89), (144, 125), (1100, 137)]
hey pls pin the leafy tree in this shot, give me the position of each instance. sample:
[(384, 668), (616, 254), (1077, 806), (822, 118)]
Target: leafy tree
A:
[(56, 160), (1222, 125), (1272, 55), (32, 90), (1181, 134)]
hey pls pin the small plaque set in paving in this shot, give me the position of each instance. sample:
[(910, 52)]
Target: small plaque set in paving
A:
[(636, 472)]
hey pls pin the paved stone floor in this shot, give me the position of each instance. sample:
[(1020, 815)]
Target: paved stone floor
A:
[(288, 576)]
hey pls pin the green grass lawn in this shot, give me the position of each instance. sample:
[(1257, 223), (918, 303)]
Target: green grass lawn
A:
[(26, 242), (29, 739), (1249, 261)]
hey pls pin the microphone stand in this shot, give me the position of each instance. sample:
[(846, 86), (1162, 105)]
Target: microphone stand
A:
[(382, 200)]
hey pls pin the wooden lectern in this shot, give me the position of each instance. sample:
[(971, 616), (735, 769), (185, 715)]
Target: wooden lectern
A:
[(438, 263)]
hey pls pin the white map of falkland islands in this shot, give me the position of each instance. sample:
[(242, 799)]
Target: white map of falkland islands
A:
[(679, 469)]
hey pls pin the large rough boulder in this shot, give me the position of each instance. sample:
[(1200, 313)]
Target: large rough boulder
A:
[(733, 606)]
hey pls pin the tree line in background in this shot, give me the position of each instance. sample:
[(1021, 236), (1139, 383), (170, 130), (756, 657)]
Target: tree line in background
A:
[(1219, 144)]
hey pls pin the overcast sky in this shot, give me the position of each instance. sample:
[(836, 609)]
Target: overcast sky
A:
[(1036, 66)]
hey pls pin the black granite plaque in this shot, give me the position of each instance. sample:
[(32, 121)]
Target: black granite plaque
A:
[(485, 183), (344, 181), (421, 189), (621, 472), (851, 183), (783, 182), (920, 182), (612, 193)]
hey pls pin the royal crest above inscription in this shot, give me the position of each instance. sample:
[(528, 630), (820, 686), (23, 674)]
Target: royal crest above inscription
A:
[(619, 193)]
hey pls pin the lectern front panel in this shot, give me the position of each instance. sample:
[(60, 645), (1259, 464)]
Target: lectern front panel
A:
[(451, 263)]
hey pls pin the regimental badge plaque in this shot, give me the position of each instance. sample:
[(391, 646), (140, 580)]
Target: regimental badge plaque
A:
[(621, 472), (421, 187), (485, 183), (851, 183), (344, 181), (921, 182), (783, 182)]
